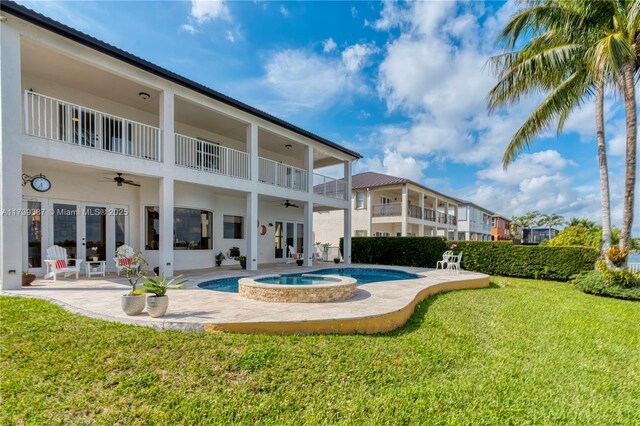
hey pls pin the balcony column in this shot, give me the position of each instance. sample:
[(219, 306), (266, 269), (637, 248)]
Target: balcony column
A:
[(166, 193), (346, 247), (165, 207), (405, 210), (11, 232), (369, 212), (252, 151), (435, 209), (251, 230), (421, 226), (308, 242), (455, 232)]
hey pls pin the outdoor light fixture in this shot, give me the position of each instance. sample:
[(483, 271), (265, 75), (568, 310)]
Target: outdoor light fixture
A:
[(144, 95), (288, 146)]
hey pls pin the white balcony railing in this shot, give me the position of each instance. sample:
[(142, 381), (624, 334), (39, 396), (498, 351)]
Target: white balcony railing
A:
[(283, 175), (211, 157), (51, 118), (329, 187)]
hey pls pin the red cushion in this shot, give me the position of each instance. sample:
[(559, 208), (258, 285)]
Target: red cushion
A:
[(125, 261), (61, 264)]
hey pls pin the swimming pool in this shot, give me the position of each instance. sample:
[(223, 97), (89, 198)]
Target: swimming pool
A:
[(363, 275)]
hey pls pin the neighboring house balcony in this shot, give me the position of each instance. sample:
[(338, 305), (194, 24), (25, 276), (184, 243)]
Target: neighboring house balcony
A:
[(393, 212), (55, 119)]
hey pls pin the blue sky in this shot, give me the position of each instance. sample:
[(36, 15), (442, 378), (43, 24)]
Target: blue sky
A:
[(404, 84)]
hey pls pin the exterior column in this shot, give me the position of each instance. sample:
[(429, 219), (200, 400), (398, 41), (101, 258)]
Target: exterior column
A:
[(251, 227), (165, 207), (11, 230), (346, 248), (405, 209), (252, 150), (166, 195), (308, 243), (455, 213), (421, 227), (369, 213)]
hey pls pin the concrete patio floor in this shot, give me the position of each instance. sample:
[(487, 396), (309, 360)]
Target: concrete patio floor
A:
[(377, 307)]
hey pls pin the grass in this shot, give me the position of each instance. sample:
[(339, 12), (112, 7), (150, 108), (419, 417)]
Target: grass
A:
[(521, 352)]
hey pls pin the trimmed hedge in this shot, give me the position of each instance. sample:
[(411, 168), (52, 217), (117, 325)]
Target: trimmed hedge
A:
[(539, 262), (595, 282), (402, 251), (492, 258)]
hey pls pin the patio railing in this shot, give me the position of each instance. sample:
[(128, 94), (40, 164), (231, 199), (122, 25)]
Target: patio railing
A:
[(62, 121), (283, 175), (328, 186), (388, 209), (210, 157)]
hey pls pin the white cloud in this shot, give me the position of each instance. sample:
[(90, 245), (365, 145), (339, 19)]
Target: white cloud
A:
[(329, 45), (395, 164), (354, 12), (354, 57), (284, 11), (188, 28), (230, 37), (203, 11), (527, 166)]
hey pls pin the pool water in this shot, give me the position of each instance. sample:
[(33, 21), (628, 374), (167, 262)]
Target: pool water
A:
[(363, 275), (295, 280)]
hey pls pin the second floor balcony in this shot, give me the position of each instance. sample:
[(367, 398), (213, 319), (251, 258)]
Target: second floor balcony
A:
[(413, 211), (62, 121)]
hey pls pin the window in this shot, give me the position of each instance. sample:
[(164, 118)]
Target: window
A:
[(192, 229), (233, 227), (381, 234), (361, 233), (360, 200)]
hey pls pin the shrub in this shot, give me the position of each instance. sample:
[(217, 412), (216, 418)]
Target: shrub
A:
[(526, 261), (617, 256), (606, 284), (493, 258), (401, 251)]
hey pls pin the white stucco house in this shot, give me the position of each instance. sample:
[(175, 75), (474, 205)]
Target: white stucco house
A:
[(100, 148), (474, 222), (384, 205)]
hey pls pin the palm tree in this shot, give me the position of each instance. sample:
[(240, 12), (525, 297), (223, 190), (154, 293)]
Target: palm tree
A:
[(550, 221), (578, 221), (526, 221), (569, 52)]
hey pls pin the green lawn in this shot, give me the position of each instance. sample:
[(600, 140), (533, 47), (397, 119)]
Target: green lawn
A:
[(525, 352)]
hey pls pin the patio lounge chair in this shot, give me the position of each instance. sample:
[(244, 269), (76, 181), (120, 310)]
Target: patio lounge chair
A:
[(445, 259), (125, 259), (453, 265), (58, 263), (294, 255)]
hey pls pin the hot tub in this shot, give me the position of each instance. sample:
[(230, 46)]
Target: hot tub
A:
[(309, 288)]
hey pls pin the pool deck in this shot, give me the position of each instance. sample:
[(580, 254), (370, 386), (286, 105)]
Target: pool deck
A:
[(377, 307)]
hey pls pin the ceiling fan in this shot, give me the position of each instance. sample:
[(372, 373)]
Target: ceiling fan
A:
[(119, 180), (288, 204)]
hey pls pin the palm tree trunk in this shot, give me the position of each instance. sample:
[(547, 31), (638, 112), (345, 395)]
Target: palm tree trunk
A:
[(632, 137), (604, 169)]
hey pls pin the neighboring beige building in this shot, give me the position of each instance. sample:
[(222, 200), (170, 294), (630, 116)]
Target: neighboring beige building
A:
[(384, 205)]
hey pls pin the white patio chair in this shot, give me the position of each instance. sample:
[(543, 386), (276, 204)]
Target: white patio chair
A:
[(445, 259), (125, 259), (317, 255), (454, 263), (294, 255), (58, 263)]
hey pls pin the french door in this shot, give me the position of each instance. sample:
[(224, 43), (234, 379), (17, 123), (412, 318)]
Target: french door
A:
[(288, 234), (86, 230)]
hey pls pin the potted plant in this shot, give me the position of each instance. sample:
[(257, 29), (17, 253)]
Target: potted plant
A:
[(157, 286), (299, 262), (95, 256), (133, 302), (234, 252), (27, 278), (219, 258), (336, 260), (242, 260)]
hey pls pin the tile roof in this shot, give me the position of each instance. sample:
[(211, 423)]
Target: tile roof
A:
[(373, 180)]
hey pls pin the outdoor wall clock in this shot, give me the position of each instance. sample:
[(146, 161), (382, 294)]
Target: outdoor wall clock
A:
[(39, 183)]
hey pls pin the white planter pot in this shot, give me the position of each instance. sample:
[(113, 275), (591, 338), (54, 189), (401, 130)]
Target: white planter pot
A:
[(157, 305), (132, 304), (95, 258)]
